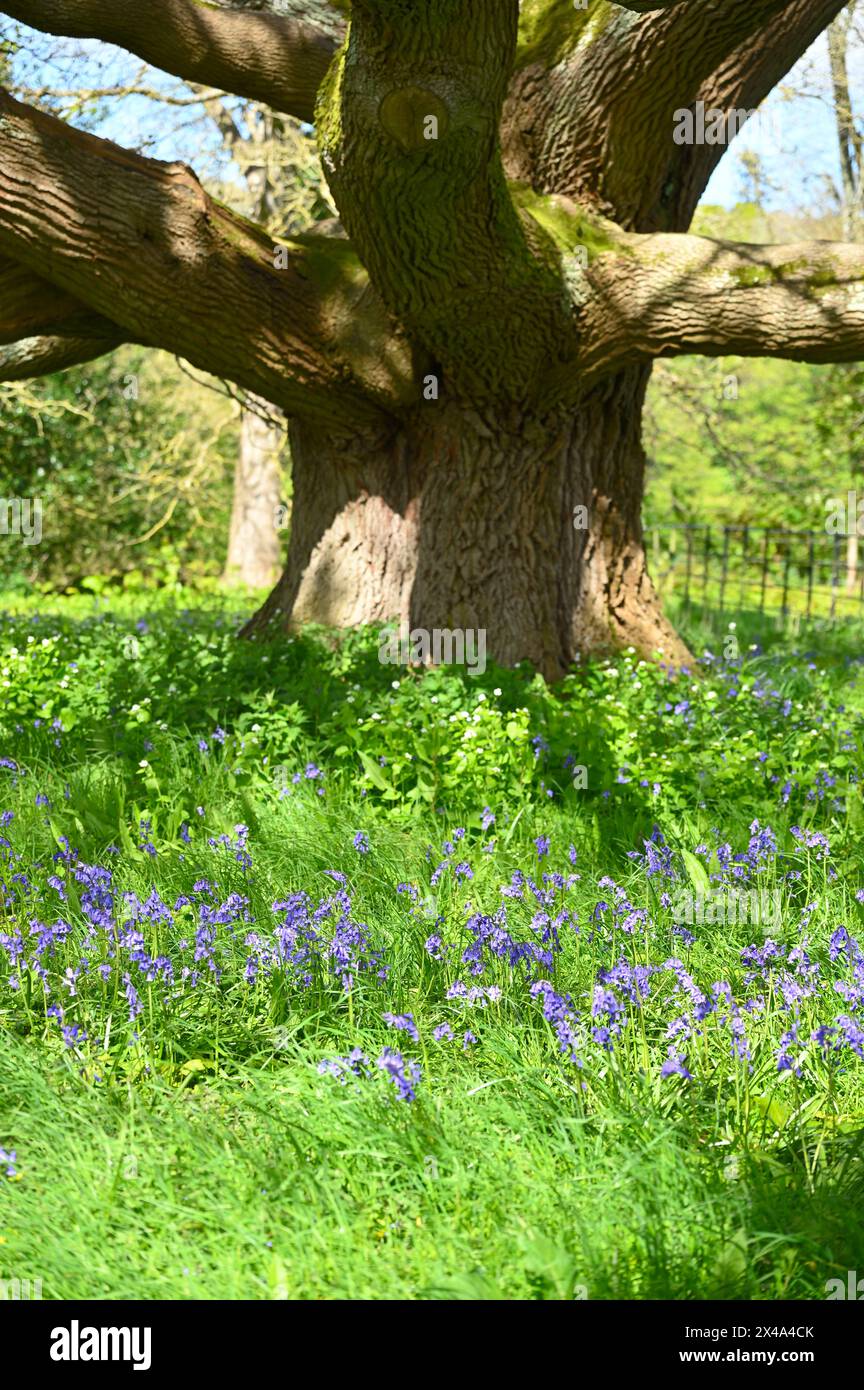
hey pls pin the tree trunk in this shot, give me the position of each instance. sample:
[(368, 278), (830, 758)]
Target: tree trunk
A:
[(525, 527), (852, 560), (254, 550)]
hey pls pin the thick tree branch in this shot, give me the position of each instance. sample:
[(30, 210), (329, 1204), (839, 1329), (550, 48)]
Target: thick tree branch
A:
[(140, 243), (647, 6), (591, 108), (408, 128), (44, 329), (666, 295), (32, 307), (40, 356), (279, 59), (741, 82)]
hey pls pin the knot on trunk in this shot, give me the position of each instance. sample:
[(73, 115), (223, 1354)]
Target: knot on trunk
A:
[(413, 117)]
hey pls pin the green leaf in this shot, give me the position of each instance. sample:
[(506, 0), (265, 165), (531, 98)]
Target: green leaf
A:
[(696, 872), (373, 771)]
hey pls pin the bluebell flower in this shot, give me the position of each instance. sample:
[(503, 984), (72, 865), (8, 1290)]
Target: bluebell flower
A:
[(405, 1023), (558, 1010), (785, 1059), (355, 1063), (675, 1065), (405, 1075)]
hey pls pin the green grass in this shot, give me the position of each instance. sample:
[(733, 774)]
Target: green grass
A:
[(196, 1151), (268, 1183)]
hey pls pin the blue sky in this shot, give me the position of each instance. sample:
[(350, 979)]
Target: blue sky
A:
[(795, 138)]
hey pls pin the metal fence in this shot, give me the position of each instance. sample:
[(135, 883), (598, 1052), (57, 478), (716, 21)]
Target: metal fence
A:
[(793, 574)]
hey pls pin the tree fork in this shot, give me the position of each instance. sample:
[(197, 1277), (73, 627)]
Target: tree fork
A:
[(408, 124)]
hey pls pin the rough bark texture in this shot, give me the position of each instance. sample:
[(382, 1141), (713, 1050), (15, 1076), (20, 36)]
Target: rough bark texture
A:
[(136, 239), (590, 107), (502, 546), (470, 520), (254, 538), (354, 531), (672, 294), (409, 133), (470, 366), (31, 306), (31, 357)]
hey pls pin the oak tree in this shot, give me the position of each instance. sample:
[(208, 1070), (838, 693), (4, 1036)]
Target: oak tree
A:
[(463, 355)]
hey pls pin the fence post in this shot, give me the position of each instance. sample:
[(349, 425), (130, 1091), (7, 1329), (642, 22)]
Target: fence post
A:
[(725, 568), (745, 556), (688, 565), (835, 578), (707, 557), (784, 608), (764, 569)]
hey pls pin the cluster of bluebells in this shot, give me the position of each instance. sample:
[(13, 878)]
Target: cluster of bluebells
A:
[(314, 940), (601, 1018), (404, 1073), (73, 932), (604, 982), (558, 1011)]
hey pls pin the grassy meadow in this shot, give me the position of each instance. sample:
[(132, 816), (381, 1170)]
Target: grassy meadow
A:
[(326, 978)]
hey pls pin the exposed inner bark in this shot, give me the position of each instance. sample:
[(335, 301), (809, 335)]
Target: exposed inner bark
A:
[(472, 521)]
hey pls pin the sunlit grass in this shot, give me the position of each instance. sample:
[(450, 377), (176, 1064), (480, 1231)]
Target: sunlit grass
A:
[(192, 1147)]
